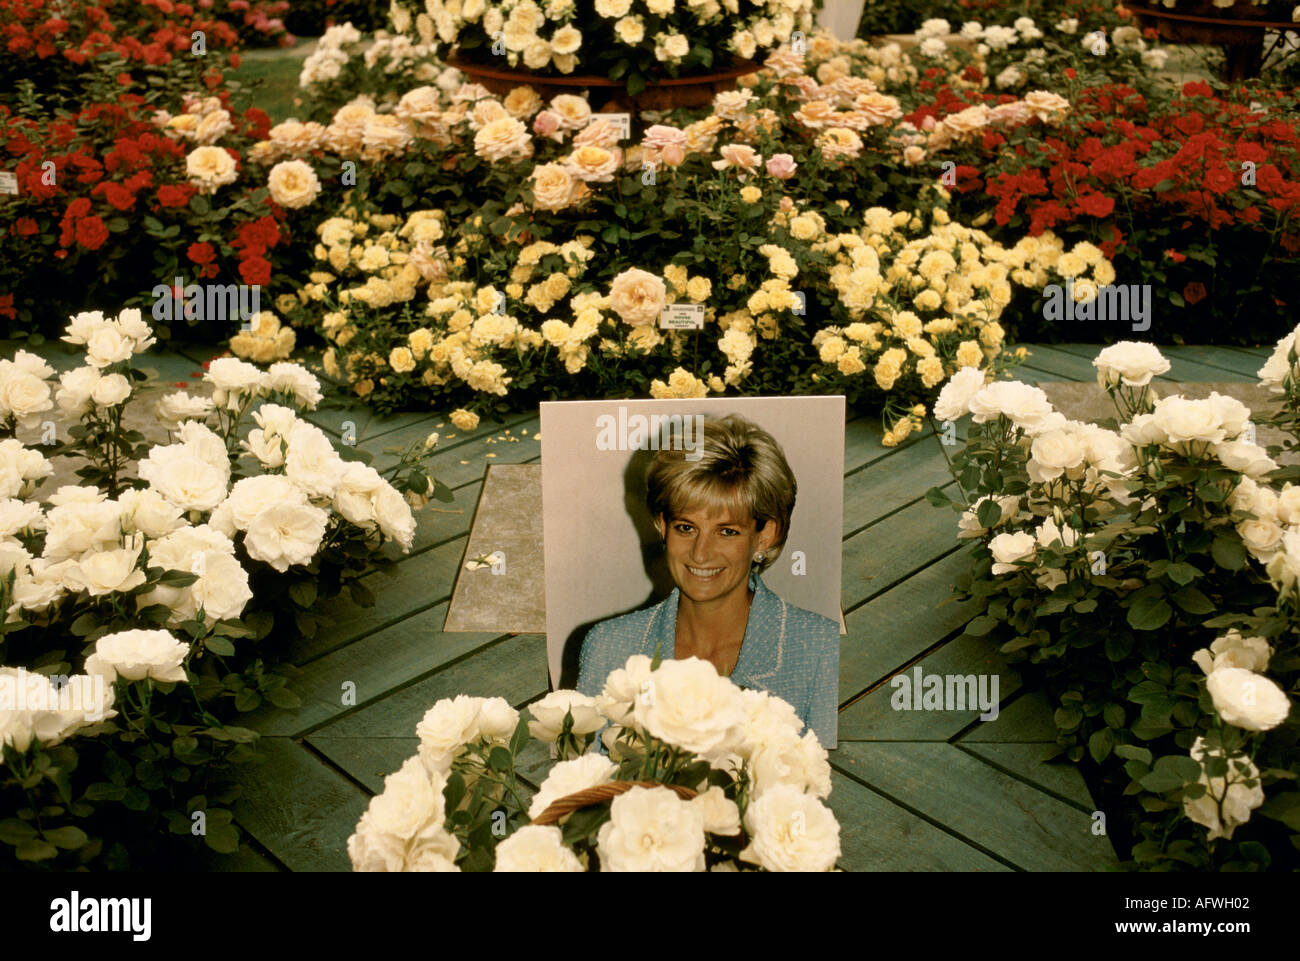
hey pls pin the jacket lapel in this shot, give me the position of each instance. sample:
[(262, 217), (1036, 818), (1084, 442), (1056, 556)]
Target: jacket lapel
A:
[(761, 654)]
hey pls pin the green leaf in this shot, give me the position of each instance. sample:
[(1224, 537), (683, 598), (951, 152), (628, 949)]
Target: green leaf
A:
[(1067, 718), (219, 645), (1150, 728), (284, 698), (14, 831), (222, 838), (1133, 753), (1149, 613), (499, 759), (35, 850), (989, 513), (1113, 715), (247, 700), (1193, 601), (69, 838), (1118, 646), (519, 740), (1100, 744), (981, 625), (1228, 553), (937, 497), (303, 593)]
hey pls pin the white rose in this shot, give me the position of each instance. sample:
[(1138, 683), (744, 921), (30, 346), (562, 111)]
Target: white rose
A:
[(1287, 505), (222, 590), (411, 806), (287, 534), (688, 705), (1227, 794), (497, 720), (312, 463), (205, 443), (1247, 700), (1261, 537), (74, 528), (1130, 362), (1251, 459), (23, 396), (1053, 453), (1233, 650), (1143, 430), (1009, 548), (178, 406), (651, 829), (17, 516), (791, 831), (570, 777), (1023, 404), (549, 715), (135, 655), (954, 399), (969, 525), (622, 687), (354, 495), (798, 762), (536, 848), (132, 324), (250, 496), (182, 476), (107, 345), (445, 729), (394, 516), (721, 815), (289, 378), (1189, 420), (108, 572), (75, 390)]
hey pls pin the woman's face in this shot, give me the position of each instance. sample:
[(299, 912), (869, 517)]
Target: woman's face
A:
[(710, 551)]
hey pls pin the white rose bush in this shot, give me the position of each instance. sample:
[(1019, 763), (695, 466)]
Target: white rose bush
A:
[(143, 610), (1143, 572), (670, 768)]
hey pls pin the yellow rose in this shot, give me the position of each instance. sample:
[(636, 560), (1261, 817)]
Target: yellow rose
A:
[(401, 360), (463, 419)]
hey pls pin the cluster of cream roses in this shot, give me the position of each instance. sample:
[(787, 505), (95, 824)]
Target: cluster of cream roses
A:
[(1067, 456), (780, 775), (541, 36)]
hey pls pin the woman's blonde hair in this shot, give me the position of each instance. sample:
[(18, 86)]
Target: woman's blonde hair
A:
[(739, 465)]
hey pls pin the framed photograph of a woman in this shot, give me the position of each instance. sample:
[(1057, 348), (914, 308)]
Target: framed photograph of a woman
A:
[(697, 528)]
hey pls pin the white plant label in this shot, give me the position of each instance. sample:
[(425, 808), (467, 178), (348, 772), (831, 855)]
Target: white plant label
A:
[(682, 317), (8, 182)]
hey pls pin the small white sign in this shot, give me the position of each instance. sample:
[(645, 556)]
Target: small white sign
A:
[(682, 317), (622, 123), (8, 182)]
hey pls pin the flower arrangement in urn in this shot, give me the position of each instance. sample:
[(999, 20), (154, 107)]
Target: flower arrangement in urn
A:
[(671, 768), (627, 40)]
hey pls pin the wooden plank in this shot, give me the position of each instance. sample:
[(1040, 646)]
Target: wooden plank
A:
[(1024, 761), (889, 482), (873, 717), (513, 668), (1061, 365), (417, 582), (375, 665), (897, 626), (1216, 357), (879, 835), (881, 555), (1182, 368), (1032, 830), (1026, 720), (298, 807)]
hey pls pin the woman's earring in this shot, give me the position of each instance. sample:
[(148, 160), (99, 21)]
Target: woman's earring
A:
[(758, 557)]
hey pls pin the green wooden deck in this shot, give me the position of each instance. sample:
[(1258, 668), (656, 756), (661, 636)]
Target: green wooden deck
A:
[(913, 790)]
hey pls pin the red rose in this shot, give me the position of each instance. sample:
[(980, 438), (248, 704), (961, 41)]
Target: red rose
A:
[(1175, 256), (91, 233), (1198, 89), (1096, 205), (7, 306), (256, 271), (26, 226), (124, 79), (1219, 178), (175, 196), (201, 254), (117, 195), (1194, 292)]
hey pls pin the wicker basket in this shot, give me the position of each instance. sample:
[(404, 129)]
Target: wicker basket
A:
[(601, 792)]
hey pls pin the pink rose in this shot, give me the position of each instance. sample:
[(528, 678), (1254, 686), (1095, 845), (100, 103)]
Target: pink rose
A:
[(781, 166), (546, 123), (659, 136), (673, 154)]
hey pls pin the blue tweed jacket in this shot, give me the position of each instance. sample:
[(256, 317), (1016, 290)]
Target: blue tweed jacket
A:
[(787, 651)]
